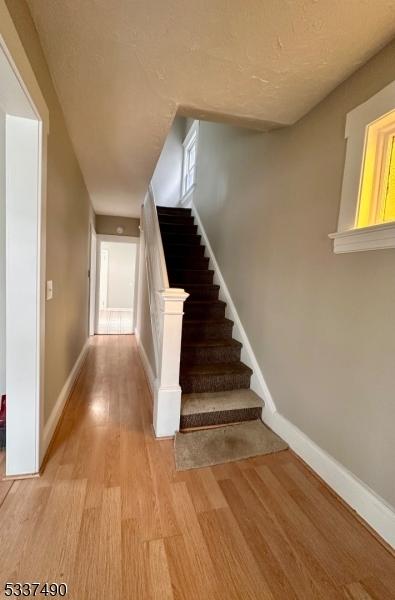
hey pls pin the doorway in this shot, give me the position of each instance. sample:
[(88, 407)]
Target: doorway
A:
[(24, 124), (116, 286)]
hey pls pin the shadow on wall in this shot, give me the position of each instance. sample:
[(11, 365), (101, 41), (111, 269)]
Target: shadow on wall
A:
[(166, 180)]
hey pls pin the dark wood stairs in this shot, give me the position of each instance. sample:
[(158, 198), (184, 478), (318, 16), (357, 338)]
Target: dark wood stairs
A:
[(214, 381)]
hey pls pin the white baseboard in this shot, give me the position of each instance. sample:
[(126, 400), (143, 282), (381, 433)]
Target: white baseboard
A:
[(146, 363), (50, 426), (258, 384), (373, 509)]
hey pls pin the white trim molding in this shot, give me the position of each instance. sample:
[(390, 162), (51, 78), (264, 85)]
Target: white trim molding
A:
[(57, 411), (27, 126), (119, 239), (191, 139), (348, 237), (187, 200), (367, 504), (12, 46), (375, 237)]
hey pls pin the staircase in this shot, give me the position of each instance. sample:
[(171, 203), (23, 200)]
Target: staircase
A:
[(214, 381)]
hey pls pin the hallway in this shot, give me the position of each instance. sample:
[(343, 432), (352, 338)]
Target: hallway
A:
[(112, 518)]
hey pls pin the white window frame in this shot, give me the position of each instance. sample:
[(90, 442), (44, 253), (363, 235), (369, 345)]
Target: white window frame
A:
[(349, 237), (191, 139)]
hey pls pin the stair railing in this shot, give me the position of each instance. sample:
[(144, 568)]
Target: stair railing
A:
[(166, 306)]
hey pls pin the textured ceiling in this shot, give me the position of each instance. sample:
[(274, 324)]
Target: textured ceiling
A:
[(122, 68)]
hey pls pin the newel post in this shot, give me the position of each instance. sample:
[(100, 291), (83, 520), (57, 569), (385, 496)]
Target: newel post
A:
[(167, 401)]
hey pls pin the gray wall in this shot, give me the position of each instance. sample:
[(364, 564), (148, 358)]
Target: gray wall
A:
[(322, 325), (2, 254), (166, 180)]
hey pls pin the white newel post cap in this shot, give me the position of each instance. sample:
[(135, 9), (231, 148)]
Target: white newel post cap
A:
[(173, 301)]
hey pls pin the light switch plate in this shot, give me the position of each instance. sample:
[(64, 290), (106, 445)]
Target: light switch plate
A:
[(49, 290)]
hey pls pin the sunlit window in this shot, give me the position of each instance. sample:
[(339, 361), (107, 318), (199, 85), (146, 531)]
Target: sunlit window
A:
[(389, 201), (377, 192), (190, 155)]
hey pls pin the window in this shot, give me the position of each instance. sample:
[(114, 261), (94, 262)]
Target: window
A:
[(377, 196), (367, 208), (190, 156)]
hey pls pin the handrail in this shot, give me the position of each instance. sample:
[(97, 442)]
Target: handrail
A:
[(161, 253), (166, 313)]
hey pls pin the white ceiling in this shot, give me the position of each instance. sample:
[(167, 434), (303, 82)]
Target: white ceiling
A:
[(123, 67)]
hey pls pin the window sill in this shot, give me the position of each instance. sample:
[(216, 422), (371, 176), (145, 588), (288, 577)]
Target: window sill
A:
[(375, 237)]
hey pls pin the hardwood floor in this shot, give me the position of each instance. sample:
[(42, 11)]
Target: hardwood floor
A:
[(115, 321), (112, 518)]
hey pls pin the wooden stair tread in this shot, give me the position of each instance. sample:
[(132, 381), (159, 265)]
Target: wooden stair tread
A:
[(192, 404)]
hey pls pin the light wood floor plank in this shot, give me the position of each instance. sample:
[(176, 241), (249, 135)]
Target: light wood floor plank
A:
[(279, 584), (112, 517), (229, 552), (160, 583)]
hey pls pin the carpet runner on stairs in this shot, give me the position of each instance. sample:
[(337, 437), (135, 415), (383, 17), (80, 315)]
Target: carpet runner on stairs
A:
[(214, 381)]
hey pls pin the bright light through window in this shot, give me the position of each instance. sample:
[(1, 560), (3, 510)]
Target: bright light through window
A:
[(190, 155), (377, 193), (389, 203)]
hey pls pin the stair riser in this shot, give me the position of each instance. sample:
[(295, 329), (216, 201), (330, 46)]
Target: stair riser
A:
[(178, 229), (210, 311), (206, 331), (167, 210), (225, 417), (201, 356), (179, 238), (187, 262), (189, 276), (176, 219), (214, 383), (202, 293), (184, 250)]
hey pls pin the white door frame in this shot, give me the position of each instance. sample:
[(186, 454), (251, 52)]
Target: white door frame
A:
[(122, 239), (103, 274), (27, 126), (92, 279)]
